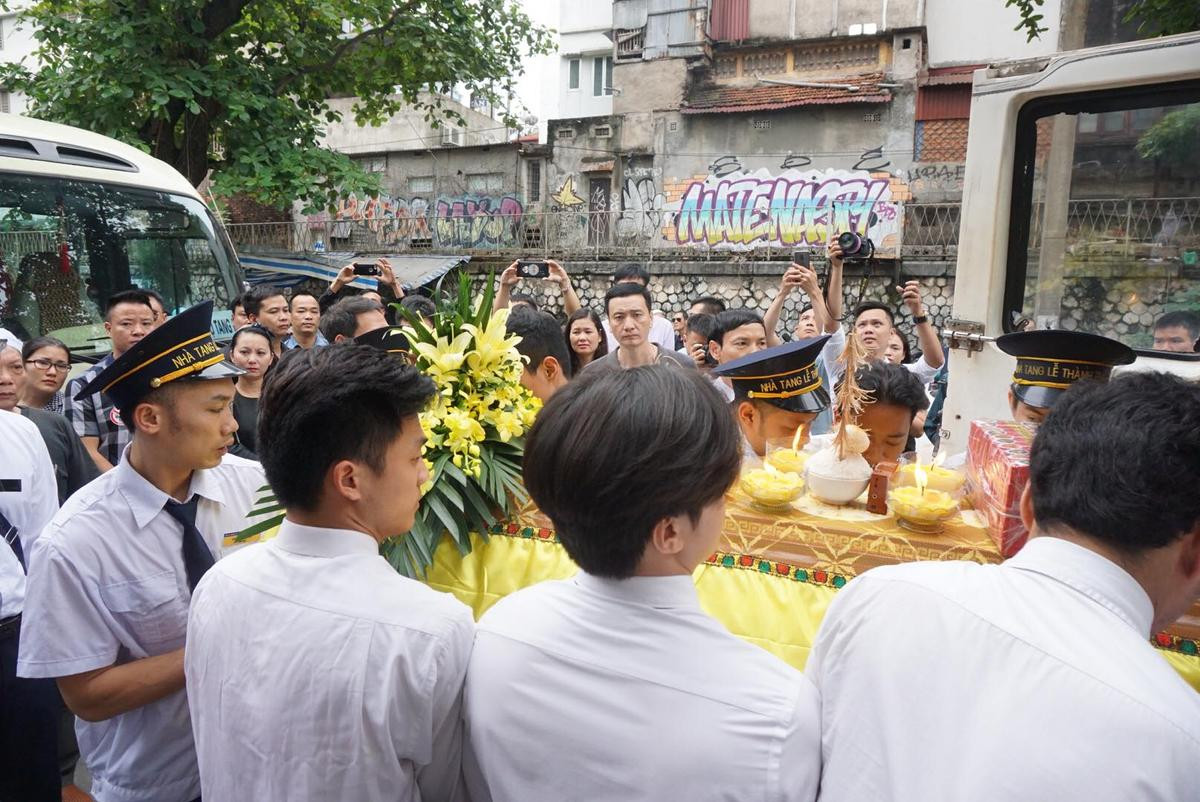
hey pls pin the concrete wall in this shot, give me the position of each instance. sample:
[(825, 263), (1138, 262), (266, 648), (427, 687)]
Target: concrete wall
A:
[(649, 85), (582, 102), (408, 130), (798, 19), (986, 33)]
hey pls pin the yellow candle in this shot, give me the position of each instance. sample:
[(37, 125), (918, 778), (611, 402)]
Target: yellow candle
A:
[(928, 507), (787, 460), (936, 478), (772, 487)]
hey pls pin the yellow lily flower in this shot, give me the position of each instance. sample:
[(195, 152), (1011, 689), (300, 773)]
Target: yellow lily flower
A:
[(492, 343), (445, 357)]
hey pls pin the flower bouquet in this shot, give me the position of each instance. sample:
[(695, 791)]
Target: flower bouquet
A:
[(475, 425)]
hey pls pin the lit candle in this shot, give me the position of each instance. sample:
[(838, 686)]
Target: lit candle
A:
[(770, 486), (921, 477)]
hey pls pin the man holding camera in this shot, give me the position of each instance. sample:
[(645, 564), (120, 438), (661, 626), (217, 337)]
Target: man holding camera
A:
[(547, 270), (380, 269)]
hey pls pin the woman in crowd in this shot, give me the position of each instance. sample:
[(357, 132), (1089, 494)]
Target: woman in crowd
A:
[(897, 351), (47, 363), (585, 339), (251, 350)]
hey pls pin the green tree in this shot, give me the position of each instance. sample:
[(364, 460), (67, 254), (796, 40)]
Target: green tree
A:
[(1154, 17), (240, 88), (1174, 140)]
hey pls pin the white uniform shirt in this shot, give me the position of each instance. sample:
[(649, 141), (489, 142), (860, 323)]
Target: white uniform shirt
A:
[(106, 586), (662, 334), (316, 672), (28, 499), (1027, 681), (624, 690)]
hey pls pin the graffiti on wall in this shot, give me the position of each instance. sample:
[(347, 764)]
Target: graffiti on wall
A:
[(453, 222), (566, 195), (793, 209), (642, 208)]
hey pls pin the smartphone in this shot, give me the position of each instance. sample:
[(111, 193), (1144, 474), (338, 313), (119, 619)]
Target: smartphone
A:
[(367, 269), (533, 269), (802, 258)]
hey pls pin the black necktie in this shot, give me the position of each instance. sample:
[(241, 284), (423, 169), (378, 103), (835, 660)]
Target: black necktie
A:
[(13, 538), (196, 557)]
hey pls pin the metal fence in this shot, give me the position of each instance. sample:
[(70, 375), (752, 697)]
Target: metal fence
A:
[(1132, 227)]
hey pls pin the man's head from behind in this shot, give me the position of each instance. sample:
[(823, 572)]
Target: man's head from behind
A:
[(350, 317), (1116, 466), (737, 332), (348, 414), (1177, 331), (632, 467), (896, 398), (547, 362), (628, 308), (128, 317)]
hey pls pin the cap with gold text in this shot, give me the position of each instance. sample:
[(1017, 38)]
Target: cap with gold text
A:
[(1050, 361), (785, 376)]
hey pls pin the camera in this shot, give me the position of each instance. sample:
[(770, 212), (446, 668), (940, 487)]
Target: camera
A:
[(367, 269), (533, 269), (855, 247)]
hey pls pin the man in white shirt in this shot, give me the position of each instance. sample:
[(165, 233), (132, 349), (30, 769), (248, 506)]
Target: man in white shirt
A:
[(111, 576), (29, 708), (315, 672), (615, 685), (874, 323), (1035, 679)]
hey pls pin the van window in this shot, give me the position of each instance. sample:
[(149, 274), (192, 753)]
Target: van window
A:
[(1105, 232), (67, 245)]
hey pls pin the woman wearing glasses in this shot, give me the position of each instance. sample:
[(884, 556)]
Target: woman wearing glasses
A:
[(47, 363)]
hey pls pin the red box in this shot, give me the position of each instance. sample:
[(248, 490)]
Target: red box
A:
[(998, 468)]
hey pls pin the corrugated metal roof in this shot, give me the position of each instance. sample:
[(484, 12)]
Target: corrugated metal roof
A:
[(766, 97), (948, 76), (944, 102)]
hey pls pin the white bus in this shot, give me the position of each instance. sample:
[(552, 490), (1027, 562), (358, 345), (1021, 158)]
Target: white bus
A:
[(1081, 210), (83, 216)]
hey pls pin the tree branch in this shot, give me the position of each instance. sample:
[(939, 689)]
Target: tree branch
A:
[(221, 15), (347, 46)]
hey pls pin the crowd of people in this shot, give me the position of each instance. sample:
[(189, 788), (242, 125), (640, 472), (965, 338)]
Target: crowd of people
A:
[(312, 671)]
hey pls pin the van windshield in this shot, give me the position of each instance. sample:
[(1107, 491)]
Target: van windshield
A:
[(67, 245)]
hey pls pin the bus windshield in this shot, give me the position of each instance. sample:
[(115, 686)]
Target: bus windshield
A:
[(66, 245)]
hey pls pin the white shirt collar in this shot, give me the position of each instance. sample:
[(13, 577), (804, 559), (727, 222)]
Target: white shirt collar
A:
[(1093, 575), (651, 591), (317, 541), (146, 499)]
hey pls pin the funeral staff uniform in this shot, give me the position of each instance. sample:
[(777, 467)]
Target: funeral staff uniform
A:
[(29, 708), (1050, 361), (316, 672), (622, 690), (111, 575), (1034, 679)]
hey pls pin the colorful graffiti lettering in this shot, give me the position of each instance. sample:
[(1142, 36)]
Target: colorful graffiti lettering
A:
[(458, 222), (794, 208), (641, 208), (475, 222)]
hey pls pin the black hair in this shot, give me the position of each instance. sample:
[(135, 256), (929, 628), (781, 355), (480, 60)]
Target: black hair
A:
[(805, 308), (541, 336), (631, 272), (31, 347), (626, 290), (869, 305), (732, 319), (301, 294), (907, 356), (253, 299), (1119, 461), (342, 317), (156, 296), (703, 325), (523, 298), (238, 300), (711, 304), (420, 305), (126, 297), (658, 441), (1182, 318), (261, 331), (325, 405), (601, 348), (893, 385)]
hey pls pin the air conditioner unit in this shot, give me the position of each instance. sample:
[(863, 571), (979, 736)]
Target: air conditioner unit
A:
[(453, 136)]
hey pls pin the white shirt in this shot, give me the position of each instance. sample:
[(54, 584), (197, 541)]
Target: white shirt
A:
[(316, 672), (107, 585), (831, 353), (662, 334), (624, 690), (1027, 681), (28, 499)]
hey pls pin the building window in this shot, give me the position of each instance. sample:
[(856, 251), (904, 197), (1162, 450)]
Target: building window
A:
[(373, 164), (602, 131), (420, 184), (566, 133), (602, 67), (533, 180), (760, 125), (485, 183), (573, 69)]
